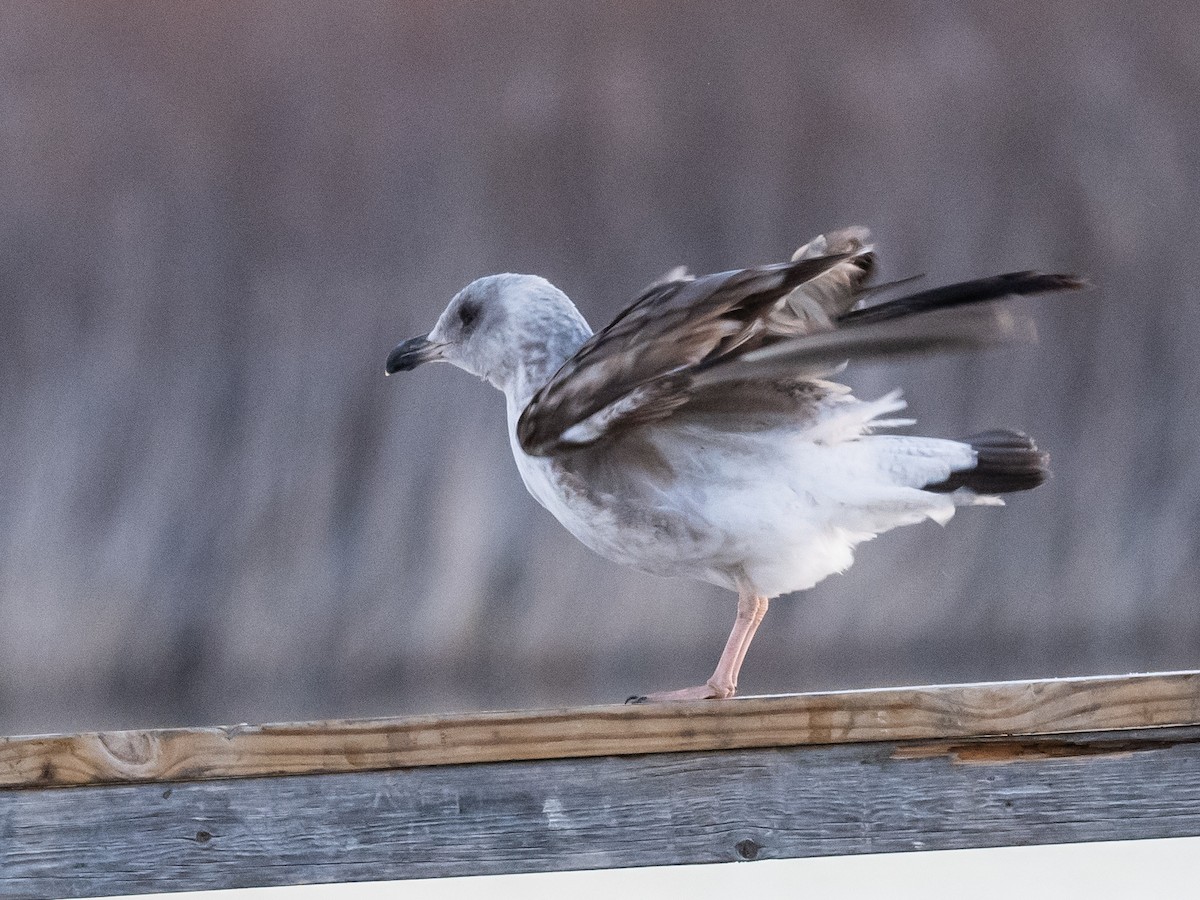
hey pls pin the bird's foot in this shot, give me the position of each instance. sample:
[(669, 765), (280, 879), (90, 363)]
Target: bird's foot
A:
[(706, 691)]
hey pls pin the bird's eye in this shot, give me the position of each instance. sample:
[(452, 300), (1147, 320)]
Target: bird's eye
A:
[(467, 314)]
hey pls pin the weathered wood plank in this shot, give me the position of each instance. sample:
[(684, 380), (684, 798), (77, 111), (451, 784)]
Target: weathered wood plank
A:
[(947, 711), (599, 812)]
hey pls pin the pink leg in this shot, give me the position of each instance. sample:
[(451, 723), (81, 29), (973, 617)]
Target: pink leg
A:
[(723, 683)]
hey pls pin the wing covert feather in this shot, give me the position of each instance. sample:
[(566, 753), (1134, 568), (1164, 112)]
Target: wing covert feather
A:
[(629, 372)]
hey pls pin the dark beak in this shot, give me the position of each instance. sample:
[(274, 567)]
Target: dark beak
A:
[(411, 354)]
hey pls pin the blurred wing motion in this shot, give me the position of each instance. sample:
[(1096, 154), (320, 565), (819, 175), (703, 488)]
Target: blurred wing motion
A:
[(753, 334)]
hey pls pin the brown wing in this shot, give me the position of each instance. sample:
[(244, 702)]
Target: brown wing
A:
[(759, 332), (634, 370)]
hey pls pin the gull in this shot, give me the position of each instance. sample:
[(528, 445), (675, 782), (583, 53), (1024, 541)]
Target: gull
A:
[(700, 434)]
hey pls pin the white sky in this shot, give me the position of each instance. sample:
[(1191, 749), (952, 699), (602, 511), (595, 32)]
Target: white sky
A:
[(1098, 871)]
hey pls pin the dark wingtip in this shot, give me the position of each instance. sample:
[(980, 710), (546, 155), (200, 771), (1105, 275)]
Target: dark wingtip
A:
[(963, 293), (1027, 282), (1073, 283), (1038, 282)]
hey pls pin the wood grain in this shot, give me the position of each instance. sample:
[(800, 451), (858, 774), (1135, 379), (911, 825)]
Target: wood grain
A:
[(600, 812), (937, 712)]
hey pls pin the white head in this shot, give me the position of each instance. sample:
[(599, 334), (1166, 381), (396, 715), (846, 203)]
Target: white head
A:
[(514, 331)]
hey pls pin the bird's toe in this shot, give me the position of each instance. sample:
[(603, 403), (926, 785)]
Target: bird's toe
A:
[(685, 695)]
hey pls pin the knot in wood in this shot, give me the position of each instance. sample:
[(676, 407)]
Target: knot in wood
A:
[(130, 749), (747, 849)]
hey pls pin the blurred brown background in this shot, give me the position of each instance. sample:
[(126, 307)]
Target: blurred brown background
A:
[(216, 219)]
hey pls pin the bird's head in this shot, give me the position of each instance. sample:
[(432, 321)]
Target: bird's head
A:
[(499, 327)]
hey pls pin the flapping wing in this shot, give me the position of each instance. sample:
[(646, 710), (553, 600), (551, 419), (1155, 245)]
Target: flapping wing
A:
[(683, 339), (633, 371)]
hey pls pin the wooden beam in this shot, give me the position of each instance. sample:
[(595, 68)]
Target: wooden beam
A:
[(793, 720), (770, 777), (599, 812)]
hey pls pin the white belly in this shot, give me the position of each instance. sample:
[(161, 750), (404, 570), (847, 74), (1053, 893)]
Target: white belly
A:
[(775, 512)]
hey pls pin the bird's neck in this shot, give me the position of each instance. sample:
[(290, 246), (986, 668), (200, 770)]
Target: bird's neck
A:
[(530, 374), (533, 363)]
